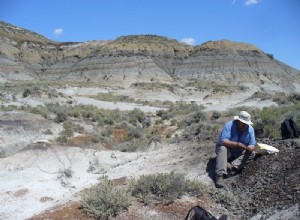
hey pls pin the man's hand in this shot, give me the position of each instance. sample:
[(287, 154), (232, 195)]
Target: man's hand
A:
[(244, 147), (251, 148)]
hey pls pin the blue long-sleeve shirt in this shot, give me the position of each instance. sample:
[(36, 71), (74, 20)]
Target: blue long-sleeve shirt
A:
[(230, 132)]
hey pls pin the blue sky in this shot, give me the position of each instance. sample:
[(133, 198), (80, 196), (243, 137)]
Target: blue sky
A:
[(271, 25)]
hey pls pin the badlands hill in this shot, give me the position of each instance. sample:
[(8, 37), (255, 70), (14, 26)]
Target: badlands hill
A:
[(141, 58), (72, 112)]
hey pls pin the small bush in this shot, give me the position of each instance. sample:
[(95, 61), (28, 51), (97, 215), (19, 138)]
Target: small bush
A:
[(165, 115), (38, 110), (196, 188), (135, 133), (62, 139), (165, 187), (133, 145), (136, 115), (104, 200), (270, 122), (26, 92), (159, 121), (226, 198), (68, 128), (161, 187), (61, 115), (194, 118), (173, 122), (281, 98), (200, 132), (215, 115)]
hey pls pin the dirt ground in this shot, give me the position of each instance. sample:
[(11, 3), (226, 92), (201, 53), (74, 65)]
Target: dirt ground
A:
[(268, 188), (270, 184)]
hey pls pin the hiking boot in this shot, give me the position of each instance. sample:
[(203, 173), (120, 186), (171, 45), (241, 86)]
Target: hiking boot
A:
[(220, 182)]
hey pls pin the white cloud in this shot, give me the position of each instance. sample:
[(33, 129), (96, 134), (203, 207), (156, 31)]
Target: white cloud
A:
[(58, 31), (189, 41), (251, 2)]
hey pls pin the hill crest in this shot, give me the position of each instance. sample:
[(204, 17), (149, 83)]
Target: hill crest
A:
[(141, 58)]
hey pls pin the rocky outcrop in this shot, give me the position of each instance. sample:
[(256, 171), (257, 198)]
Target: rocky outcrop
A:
[(237, 63), (140, 58)]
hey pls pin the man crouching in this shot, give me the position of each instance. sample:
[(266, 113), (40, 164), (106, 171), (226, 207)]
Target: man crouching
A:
[(235, 146)]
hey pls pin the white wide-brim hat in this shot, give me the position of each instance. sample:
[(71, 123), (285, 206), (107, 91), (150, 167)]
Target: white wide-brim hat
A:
[(244, 117)]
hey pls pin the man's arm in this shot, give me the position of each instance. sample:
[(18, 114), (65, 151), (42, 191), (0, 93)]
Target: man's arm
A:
[(237, 145)]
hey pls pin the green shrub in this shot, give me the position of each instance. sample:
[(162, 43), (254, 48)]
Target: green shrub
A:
[(104, 200), (281, 98), (61, 115), (133, 145), (200, 132), (112, 98), (161, 187), (196, 188), (165, 115), (38, 110), (135, 132), (53, 107), (159, 121), (226, 198), (194, 118), (173, 122), (68, 128), (270, 121), (165, 187), (108, 121), (215, 115), (107, 131), (74, 112), (136, 115), (62, 139), (181, 108), (26, 92)]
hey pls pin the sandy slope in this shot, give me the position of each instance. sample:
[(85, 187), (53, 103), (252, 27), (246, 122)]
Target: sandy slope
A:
[(45, 176)]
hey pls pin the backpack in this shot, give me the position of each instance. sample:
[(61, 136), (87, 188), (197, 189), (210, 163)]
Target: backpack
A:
[(199, 213), (289, 129)]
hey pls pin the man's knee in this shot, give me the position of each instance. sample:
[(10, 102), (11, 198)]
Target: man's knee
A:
[(221, 150)]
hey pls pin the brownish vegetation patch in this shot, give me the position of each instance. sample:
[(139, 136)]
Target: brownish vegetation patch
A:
[(68, 211), (80, 141), (120, 134)]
